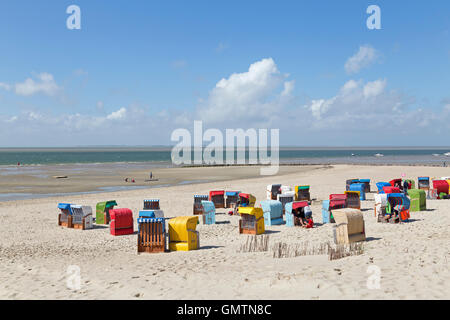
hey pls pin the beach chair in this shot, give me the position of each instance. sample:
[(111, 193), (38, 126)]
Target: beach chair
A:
[(380, 204), (272, 191), (286, 189), (400, 203), (198, 203), (209, 212), (431, 194), (381, 185), (359, 187), (102, 215), (441, 186), (327, 215), (285, 198), (294, 212), (353, 199), (418, 200), (302, 193), (349, 227), (232, 199), (182, 234), (151, 234), (151, 204), (423, 183), (82, 217), (218, 198), (246, 200), (366, 183), (349, 182), (391, 189), (65, 216), (396, 183), (411, 183), (338, 201), (252, 220), (273, 212), (121, 222)]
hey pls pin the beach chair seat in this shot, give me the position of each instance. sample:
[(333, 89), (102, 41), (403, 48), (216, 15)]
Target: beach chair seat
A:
[(294, 212), (381, 185), (418, 200), (102, 215), (246, 200), (182, 234), (252, 220), (380, 204), (349, 182), (353, 199), (366, 183), (209, 212), (232, 198), (285, 198), (121, 222), (302, 193), (327, 215), (218, 198), (398, 202), (65, 215), (152, 235), (423, 183), (431, 194), (198, 198), (272, 191), (441, 186), (360, 187), (273, 212), (349, 227), (338, 201), (151, 204), (82, 217)]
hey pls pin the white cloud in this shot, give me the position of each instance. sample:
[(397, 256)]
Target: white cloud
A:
[(45, 84), (5, 86), (254, 95), (117, 115), (365, 56), (373, 89)]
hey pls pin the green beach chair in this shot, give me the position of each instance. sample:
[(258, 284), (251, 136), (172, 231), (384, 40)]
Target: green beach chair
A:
[(418, 200), (102, 211)]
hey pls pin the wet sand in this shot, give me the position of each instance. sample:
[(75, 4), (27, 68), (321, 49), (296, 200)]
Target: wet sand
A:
[(37, 181)]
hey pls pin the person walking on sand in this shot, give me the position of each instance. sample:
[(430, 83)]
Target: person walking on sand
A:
[(151, 175)]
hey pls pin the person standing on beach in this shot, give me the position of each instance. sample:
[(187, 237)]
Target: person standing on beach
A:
[(405, 187)]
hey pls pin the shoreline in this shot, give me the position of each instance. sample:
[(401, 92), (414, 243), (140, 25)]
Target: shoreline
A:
[(37, 182)]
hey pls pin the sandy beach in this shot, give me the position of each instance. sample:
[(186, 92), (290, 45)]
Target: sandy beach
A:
[(413, 258)]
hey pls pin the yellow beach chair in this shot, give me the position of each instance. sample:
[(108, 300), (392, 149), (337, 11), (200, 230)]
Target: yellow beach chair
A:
[(252, 220), (182, 234)]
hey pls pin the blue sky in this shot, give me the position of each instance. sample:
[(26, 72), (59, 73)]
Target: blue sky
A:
[(148, 67)]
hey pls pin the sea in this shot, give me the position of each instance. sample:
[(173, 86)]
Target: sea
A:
[(161, 156)]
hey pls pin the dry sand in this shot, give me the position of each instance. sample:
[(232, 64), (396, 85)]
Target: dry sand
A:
[(413, 257)]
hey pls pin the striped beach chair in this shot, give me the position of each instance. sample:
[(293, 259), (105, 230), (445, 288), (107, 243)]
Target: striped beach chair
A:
[(151, 234)]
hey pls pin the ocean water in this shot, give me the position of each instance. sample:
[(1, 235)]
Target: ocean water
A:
[(162, 157)]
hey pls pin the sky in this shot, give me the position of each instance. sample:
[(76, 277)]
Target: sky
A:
[(138, 70)]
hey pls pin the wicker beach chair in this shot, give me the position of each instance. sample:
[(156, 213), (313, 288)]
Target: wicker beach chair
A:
[(151, 234), (182, 234), (349, 226), (273, 212), (252, 220), (198, 209), (102, 215)]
